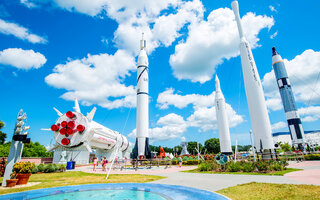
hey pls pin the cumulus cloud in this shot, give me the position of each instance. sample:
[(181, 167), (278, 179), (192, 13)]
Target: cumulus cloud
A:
[(167, 98), (279, 125), (97, 79), (168, 127), (9, 28), (211, 41), (22, 59), (310, 114), (204, 116)]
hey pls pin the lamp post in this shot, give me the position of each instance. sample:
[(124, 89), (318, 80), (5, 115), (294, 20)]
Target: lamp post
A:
[(19, 137), (252, 147)]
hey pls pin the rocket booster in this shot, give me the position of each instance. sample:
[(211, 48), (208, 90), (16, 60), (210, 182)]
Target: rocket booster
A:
[(288, 101), (255, 96), (223, 126), (141, 149)]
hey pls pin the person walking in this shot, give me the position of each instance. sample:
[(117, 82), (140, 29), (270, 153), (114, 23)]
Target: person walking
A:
[(104, 164), (180, 161), (95, 162)]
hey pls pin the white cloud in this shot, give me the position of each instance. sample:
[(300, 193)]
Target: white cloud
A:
[(310, 114), (20, 32), (272, 8), (97, 79), (167, 98), (169, 127), (204, 116), (274, 35), (279, 125), (303, 73), (22, 59), (210, 42)]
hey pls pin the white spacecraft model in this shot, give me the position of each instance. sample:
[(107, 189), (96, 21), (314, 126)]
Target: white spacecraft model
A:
[(255, 97), (79, 134), (222, 119), (142, 149)]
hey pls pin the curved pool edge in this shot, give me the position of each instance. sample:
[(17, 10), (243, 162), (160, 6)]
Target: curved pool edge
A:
[(172, 191)]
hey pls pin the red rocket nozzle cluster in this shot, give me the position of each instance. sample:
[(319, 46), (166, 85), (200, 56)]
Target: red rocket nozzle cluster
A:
[(68, 127)]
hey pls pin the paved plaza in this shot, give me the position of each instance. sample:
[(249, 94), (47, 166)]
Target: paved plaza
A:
[(214, 182)]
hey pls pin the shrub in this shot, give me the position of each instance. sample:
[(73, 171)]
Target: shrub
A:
[(276, 166), (205, 166), (262, 166), (312, 157), (283, 162), (233, 167), (35, 170), (49, 168), (248, 166), (41, 167), (62, 168)]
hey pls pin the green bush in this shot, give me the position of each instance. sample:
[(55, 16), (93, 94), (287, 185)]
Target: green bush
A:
[(35, 170), (49, 168), (62, 168), (312, 157), (41, 167), (262, 166), (205, 166), (174, 162), (233, 167), (276, 166), (248, 166)]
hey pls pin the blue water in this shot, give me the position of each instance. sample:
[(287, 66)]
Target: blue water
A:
[(105, 194)]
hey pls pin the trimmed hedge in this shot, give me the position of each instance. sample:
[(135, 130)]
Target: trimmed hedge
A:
[(49, 168), (312, 157)]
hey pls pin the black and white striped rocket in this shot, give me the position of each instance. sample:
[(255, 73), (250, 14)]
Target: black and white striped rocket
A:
[(288, 101), (142, 149)]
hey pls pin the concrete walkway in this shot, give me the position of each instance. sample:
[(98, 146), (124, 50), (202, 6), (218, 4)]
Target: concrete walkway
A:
[(309, 175), (214, 182)]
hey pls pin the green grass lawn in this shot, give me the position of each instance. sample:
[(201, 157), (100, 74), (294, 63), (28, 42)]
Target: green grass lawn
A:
[(270, 191), (275, 173), (79, 178)]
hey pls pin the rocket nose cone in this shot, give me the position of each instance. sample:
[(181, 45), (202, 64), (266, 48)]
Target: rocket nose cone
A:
[(274, 51)]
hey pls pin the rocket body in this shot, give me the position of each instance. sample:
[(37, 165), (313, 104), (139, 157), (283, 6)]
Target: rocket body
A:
[(222, 119), (287, 97), (255, 97), (141, 149)]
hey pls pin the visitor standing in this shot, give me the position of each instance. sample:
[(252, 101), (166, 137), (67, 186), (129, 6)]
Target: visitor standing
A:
[(95, 161), (180, 161), (104, 164)]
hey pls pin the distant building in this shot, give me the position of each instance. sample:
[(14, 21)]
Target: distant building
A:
[(311, 137)]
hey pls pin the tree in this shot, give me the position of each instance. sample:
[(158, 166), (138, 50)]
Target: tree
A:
[(29, 150), (192, 147), (177, 149), (285, 147), (3, 136), (212, 145)]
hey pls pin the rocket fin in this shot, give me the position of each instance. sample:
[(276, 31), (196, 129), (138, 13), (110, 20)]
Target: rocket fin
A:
[(91, 114), (147, 150), (58, 112), (76, 107), (53, 148), (88, 147)]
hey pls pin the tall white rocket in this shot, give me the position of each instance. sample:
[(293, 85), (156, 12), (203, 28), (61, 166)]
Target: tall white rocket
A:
[(142, 142), (255, 97), (222, 119)]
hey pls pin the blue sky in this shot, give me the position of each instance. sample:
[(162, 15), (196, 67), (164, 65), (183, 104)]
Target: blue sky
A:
[(52, 51)]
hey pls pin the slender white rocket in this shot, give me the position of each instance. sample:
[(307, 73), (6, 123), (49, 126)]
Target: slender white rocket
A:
[(222, 119), (142, 101), (255, 97)]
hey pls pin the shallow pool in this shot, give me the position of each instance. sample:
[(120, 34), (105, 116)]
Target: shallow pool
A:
[(116, 191), (105, 194)]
